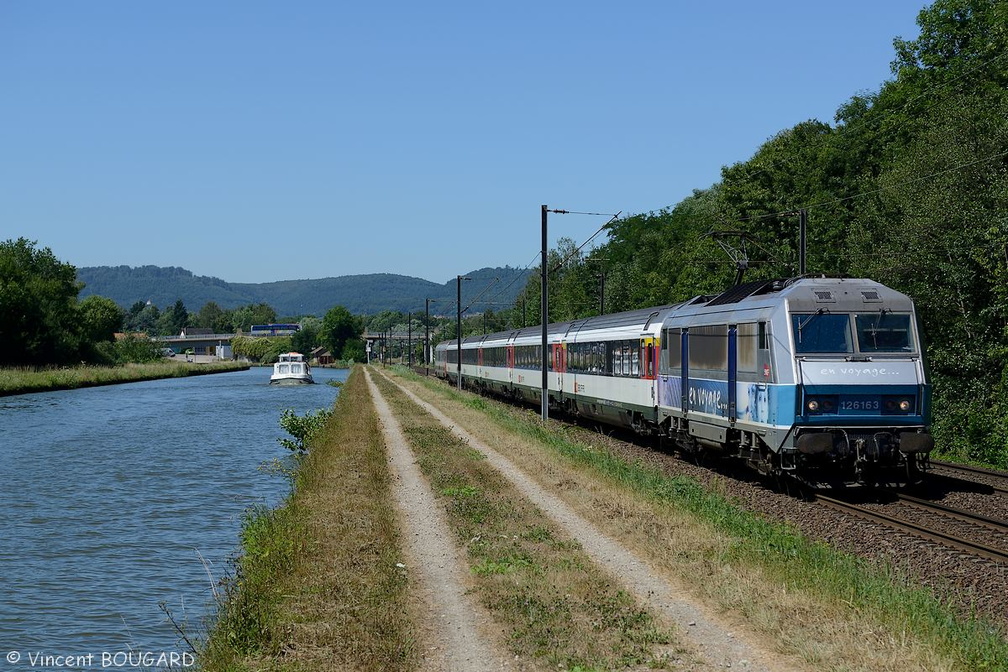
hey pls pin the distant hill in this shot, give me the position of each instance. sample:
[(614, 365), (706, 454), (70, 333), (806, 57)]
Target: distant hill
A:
[(360, 294)]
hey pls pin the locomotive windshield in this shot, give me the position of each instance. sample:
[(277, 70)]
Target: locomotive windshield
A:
[(821, 332), (883, 332)]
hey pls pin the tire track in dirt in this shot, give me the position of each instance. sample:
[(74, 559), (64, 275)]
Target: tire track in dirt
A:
[(458, 637), (715, 642)]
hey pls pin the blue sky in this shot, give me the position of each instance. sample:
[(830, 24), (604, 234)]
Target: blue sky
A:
[(257, 141)]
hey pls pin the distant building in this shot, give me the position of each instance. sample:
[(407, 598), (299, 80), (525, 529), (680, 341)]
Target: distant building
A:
[(322, 356), (198, 340)]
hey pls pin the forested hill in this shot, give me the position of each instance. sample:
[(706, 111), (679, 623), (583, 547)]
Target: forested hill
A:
[(360, 294)]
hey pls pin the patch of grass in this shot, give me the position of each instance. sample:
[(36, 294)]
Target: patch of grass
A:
[(24, 380), (558, 609), (807, 598), (317, 585)]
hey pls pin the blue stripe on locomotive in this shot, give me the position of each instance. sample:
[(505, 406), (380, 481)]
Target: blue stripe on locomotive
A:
[(758, 403)]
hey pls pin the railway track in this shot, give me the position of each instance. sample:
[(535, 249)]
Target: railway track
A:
[(975, 534), (996, 480)]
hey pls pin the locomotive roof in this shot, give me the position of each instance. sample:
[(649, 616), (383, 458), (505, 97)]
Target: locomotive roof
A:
[(802, 292)]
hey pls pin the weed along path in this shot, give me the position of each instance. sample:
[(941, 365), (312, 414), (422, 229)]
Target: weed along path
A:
[(699, 640), (458, 629)]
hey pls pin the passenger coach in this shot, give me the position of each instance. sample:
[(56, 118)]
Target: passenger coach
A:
[(821, 378)]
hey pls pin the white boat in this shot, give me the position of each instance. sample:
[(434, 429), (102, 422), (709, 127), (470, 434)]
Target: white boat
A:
[(291, 369)]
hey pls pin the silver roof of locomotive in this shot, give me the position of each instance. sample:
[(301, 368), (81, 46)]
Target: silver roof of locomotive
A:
[(802, 295)]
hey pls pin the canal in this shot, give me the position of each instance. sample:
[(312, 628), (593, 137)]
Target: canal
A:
[(115, 499)]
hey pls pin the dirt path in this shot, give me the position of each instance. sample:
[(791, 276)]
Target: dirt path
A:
[(715, 642), (458, 636)]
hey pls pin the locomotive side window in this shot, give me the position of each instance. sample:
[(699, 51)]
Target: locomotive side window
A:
[(821, 332), (747, 342), (883, 332), (708, 348), (671, 354)]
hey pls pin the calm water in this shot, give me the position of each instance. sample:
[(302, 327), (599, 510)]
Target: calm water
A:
[(108, 493)]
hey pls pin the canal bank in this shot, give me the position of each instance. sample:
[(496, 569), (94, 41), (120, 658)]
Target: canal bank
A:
[(321, 582), (25, 381)]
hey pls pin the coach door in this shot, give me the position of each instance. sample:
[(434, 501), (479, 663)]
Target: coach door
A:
[(559, 363), (649, 362), (510, 348)]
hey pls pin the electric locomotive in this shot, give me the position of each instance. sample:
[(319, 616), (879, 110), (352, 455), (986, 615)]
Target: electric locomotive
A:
[(819, 378)]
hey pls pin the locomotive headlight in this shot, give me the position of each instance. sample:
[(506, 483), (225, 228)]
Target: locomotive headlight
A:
[(813, 405), (904, 405)]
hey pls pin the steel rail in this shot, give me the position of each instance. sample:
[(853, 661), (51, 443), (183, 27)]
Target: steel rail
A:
[(917, 530), (979, 471), (993, 524)]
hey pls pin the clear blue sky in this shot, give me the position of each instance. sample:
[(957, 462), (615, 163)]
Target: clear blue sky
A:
[(257, 141)]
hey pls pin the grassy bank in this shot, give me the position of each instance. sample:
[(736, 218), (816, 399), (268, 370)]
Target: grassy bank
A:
[(21, 381), (555, 607), (317, 586), (803, 598)]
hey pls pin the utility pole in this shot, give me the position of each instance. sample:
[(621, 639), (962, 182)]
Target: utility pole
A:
[(802, 239), (545, 316), (427, 356), (409, 338), (545, 299), (458, 323), (601, 302)]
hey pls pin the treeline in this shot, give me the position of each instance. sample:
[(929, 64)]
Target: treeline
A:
[(42, 322), (908, 186), (146, 317)]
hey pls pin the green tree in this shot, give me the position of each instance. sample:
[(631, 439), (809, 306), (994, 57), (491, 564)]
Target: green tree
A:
[(143, 318), (254, 349), (173, 320), (212, 316), (244, 317), (308, 336), (100, 318), (38, 301), (353, 351), (339, 326)]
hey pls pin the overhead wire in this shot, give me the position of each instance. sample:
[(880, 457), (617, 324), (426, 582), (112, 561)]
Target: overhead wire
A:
[(579, 247)]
